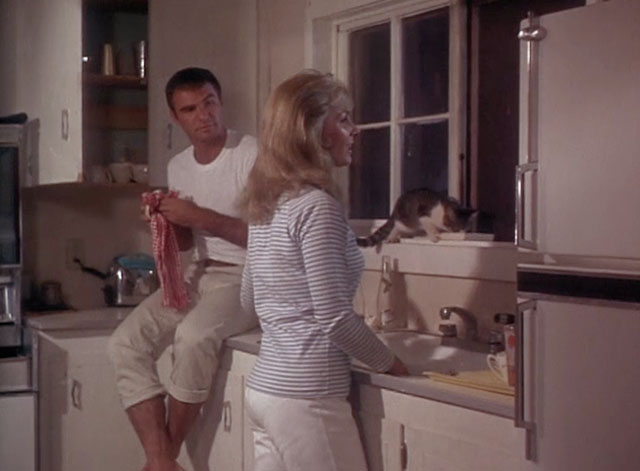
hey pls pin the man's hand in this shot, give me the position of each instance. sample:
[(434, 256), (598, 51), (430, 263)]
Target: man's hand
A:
[(181, 211)]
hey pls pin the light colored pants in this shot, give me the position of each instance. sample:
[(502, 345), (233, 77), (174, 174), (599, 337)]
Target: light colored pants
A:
[(197, 334), (303, 434)]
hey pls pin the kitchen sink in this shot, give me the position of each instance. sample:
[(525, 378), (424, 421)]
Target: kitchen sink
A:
[(423, 352)]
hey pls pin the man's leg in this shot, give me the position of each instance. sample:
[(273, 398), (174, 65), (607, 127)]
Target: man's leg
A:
[(217, 314), (179, 421), (134, 348), (148, 420)]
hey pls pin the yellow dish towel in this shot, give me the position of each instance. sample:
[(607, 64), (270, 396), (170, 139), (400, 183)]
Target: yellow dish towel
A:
[(484, 380)]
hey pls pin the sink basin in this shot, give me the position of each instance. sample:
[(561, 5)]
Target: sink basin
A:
[(425, 352)]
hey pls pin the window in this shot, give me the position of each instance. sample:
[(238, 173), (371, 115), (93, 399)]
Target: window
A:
[(411, 65), (401, 69)]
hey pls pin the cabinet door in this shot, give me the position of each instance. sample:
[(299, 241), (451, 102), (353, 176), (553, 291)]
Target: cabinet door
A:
[(382, 442), (381, 435), (220, 36), (82, 423), (18, 432), (431, 450), (216, 439), (585, 384), (49, 88)]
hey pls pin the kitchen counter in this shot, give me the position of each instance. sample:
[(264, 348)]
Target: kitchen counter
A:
[(108, 318), (491, 403)]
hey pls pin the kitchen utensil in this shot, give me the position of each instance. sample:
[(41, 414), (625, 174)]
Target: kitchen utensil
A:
[(129, 279)]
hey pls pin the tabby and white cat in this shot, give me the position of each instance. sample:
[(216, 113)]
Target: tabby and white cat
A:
[(419, 212)]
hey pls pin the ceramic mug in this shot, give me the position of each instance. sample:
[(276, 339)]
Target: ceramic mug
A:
[(99, 174), (497, 363), (120, 172)]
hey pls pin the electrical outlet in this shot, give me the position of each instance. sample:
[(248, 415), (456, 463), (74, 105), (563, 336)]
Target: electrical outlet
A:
[(74, 248)]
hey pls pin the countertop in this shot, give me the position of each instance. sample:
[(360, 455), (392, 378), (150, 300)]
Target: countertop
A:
[(108, 318), (421, 386)]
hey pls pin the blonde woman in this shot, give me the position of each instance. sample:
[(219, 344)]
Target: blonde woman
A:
[(300, 276)]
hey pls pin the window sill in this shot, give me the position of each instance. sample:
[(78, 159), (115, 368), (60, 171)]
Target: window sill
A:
[(482, 260)]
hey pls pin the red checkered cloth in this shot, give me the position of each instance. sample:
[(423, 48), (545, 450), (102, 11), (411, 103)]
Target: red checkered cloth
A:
[(166, 252)]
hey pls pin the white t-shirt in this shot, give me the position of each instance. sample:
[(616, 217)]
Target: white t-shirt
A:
[(216, 186)]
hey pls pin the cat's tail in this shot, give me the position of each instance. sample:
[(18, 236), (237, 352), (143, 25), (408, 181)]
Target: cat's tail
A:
[(379, 236)]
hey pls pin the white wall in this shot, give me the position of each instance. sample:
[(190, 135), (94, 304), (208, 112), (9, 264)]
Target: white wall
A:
[(107, 221)]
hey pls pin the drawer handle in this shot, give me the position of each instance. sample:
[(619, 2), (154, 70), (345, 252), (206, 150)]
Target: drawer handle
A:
[(76, 394), (65, 125), (226, 416)]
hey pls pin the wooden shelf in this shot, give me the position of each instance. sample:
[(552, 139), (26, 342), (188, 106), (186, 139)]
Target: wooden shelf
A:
[(114, 81), (116, 117)]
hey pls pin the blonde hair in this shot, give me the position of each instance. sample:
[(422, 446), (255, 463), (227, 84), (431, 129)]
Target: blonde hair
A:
[(290, 151)]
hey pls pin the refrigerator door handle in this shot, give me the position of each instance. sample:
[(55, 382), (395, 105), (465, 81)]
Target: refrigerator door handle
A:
[(522, 362), (524, 380), (532, 33), (520, 237)]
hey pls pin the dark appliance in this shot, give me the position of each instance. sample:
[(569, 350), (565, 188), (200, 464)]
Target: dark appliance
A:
[(13, 142)]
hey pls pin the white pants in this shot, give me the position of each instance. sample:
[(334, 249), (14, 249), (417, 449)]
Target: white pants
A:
[(303, 434), (197, 334)]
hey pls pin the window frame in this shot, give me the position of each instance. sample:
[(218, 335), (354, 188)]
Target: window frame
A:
[(374, 13)]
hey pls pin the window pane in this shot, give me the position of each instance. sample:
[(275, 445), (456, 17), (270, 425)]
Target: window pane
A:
[(425, 61), (369, 70), (369, 175), (425, 160)]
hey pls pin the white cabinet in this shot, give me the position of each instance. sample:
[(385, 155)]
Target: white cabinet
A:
[(48, 84), (82, 424), (218, 438), (382, 440), (403, 432), (45, 66), (220, 36), (18, 431), (586, 412), (215, 441)]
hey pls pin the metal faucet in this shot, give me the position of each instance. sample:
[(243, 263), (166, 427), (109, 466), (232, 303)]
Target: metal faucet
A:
[(469, 321)]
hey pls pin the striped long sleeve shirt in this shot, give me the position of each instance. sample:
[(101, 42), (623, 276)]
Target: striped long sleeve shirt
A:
[(301, 274)]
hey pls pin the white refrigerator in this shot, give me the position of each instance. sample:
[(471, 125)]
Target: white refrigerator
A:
[(578, 236)]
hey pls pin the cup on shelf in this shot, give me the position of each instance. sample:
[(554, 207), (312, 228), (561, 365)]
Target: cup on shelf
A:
[(99, 174), (121, 172)]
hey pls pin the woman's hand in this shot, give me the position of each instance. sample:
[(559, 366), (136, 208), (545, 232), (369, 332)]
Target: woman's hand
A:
[(398, 368)]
